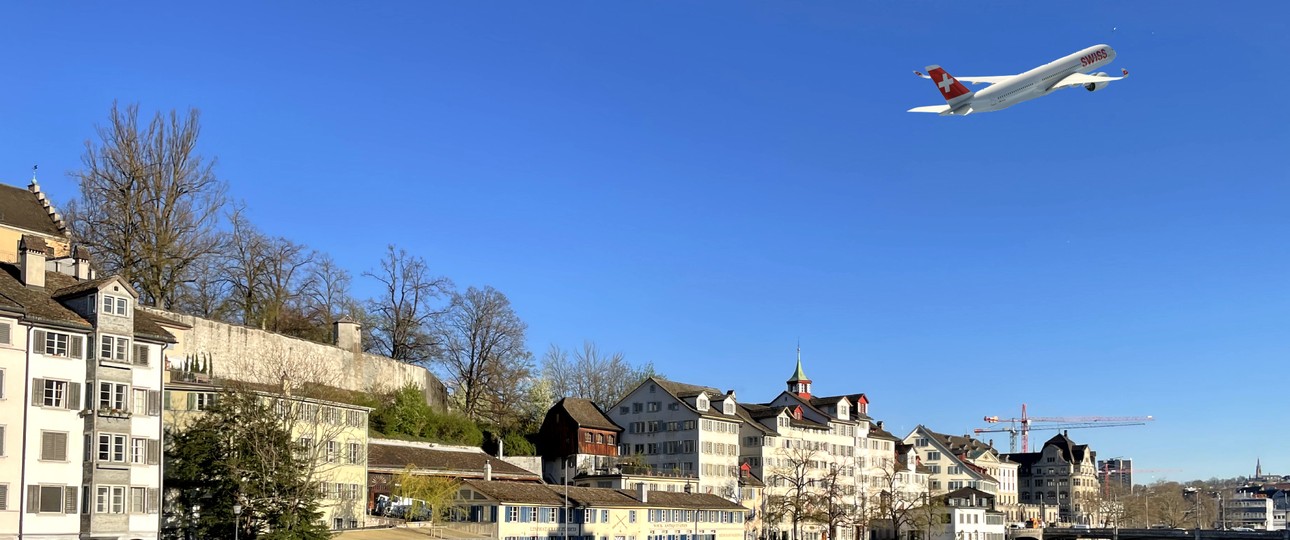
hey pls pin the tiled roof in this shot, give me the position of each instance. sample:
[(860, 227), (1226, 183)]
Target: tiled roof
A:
[(586, 414), (681, 391), (20, 208), (520, 492), (65, 286), (590, 496), (37, 303), (671, 499), (145, 325), (449, 462), (1071, 452)]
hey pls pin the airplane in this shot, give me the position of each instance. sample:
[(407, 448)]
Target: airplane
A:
[(1008, 90)]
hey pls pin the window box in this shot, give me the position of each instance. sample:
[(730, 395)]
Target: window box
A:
[(114, 413)]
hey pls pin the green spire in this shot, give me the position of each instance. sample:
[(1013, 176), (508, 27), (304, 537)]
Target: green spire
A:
[(798, 375)]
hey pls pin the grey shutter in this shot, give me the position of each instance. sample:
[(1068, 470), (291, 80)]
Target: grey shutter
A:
[(4, 496), (154, 449), (33, 499), (53, 446), (38, 342), (74, 344), (140, 355), (154, 402), (74, 395), (69, 500), (154, 500), (37, 392), (6, 334)]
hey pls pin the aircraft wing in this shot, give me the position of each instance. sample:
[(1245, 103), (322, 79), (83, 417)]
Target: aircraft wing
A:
[(974, 80), (1079, 79)]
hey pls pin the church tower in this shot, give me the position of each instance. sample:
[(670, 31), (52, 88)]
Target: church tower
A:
[(799, 384)]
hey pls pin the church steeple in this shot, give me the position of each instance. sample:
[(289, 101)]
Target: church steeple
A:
[(799, 384), (1258, 468)]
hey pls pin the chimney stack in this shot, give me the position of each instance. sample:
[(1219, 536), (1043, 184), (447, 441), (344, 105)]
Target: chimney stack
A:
[(501, 449), (347, 334), (642, 492), (81, 263), (488, 471), (31, 259)]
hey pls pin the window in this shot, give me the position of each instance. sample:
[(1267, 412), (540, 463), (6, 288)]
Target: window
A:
[(637, 407), (624, 409), (6, 334), (51, 499), (354, 453), (203, 400), (586, 437), (116, 305), (114, 348), (55, 393), (728, 407), (53, 446), (56, 343), (138, 451), (933, 455), (112, 395), (110, 500), (140, 355), (653, 406), (333, 451), (138, 500), (112, 447), (139, 402)]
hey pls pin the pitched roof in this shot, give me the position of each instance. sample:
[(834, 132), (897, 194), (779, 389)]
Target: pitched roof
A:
[(552, 495), (21, 208), (439, 460), (65, 286), (681, 391), (1071, 452), (35, 302), (521, 492), (586, 414)]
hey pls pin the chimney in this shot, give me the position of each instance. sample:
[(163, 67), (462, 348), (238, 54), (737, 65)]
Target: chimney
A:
[(642, 492), (347, 335), (501, 449), (31, 258), (488, 471), (81, 263)]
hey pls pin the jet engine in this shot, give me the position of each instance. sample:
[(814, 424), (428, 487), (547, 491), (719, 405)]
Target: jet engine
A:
[(1093, 87)]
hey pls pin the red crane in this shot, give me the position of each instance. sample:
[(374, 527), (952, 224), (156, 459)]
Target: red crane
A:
[(1023, 425)]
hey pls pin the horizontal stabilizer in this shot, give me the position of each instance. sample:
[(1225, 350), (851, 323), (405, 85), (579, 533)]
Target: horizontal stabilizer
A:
[(938, 109)]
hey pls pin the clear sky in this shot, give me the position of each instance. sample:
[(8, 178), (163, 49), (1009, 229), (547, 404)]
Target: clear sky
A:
[(702, 184)]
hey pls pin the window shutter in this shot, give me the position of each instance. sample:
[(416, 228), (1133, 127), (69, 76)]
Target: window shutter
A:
[(192, 401), (33, 499), (140, 354), (53, 446), (6, 334), (165, 400), (2, 434), (74, 344), (154, 403), (38, 342), (73, 395), (154, 448), (154, 500), (4, 496), (69, 500), (37, 392)]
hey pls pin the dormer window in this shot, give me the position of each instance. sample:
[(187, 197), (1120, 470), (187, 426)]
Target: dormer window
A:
[(701, 403), (842, 411), (115, 305), (728, 407)]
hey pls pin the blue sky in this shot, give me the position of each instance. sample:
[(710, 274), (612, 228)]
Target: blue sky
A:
[(703, 184)]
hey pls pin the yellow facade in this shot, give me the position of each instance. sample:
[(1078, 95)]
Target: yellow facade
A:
[(332, 434)]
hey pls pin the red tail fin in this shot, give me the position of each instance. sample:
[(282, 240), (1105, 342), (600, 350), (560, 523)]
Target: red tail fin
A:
[(950, 87)]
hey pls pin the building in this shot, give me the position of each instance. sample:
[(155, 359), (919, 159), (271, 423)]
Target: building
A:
[(519, 511), (800, 446), (388, 458), (81, 379), (332, 434), (1116, 474), (1061, 474), (968, 514), (577, 439), (682, 429), (955, 462), (1258, 507)]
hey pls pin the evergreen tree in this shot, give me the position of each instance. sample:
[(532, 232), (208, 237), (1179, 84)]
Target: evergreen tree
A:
[(240, 452)]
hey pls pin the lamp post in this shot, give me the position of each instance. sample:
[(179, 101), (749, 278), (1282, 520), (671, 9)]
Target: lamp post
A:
[(237, 513), (566, 498)]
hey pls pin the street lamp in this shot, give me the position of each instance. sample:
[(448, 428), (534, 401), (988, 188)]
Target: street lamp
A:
[(237, 512)]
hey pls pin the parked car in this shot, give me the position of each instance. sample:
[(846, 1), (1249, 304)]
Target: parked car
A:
[(1242, 529)]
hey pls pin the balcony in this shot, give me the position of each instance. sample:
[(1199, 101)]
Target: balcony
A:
[(179, 375)]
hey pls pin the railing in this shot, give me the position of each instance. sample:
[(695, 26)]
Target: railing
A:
[(177, 375)]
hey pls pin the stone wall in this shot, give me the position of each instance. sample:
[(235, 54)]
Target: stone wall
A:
[(239, 353)]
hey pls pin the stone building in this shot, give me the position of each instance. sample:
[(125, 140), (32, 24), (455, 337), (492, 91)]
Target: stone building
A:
[(955, 462), (1061, 474)]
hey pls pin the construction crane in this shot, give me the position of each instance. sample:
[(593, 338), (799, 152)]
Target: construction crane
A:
[(1023, 425)]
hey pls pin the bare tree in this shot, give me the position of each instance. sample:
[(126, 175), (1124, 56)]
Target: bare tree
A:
[(245, 267), (207, 294), (790, 491), (327, 291), (901, 501), (149, 203), (284, 282), (603, 378), (401, 316), (484, 356)]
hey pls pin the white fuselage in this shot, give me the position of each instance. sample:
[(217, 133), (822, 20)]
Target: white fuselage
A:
[(1039, 81)]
